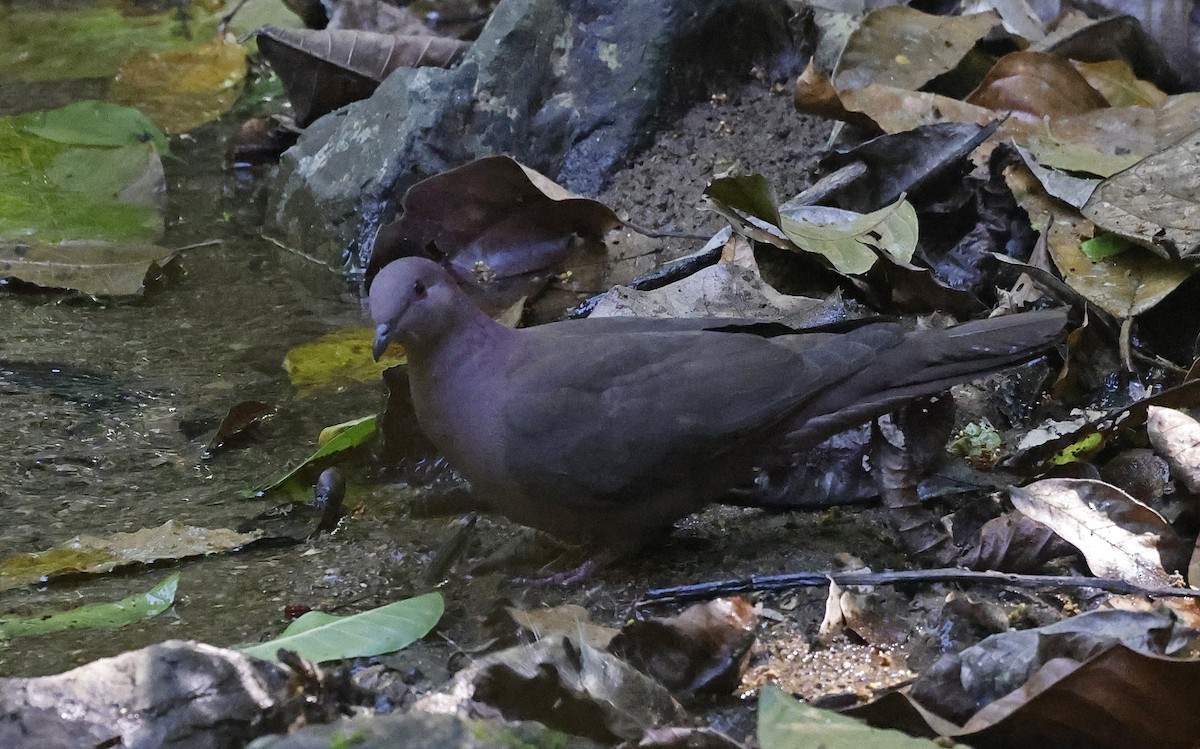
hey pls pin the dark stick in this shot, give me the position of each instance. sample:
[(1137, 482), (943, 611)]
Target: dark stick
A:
[(704, 591)]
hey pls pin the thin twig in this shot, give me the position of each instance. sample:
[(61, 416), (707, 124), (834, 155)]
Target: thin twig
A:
[(198, 245), (703, 591)]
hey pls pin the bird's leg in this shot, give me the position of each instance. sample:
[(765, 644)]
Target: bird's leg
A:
[(456, 501), (566, 578)]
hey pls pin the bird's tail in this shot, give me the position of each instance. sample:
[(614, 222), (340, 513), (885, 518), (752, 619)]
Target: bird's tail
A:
[(926, 362)]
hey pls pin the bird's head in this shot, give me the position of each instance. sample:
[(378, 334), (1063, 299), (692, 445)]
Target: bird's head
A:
[(415, 301)]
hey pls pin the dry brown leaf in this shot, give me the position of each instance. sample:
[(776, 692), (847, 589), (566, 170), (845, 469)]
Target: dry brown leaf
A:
[(1119, 536), (903, 47), (1176, 437), (1036, 83)]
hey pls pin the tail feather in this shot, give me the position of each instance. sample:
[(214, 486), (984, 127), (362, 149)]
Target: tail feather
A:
[(926, 362)]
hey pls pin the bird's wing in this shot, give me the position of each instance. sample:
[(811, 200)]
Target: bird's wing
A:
[(638, 407)]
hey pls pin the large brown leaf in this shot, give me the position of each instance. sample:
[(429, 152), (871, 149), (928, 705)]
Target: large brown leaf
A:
[(324, 70), (491, 219)]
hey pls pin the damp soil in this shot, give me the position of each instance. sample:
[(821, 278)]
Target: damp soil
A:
[(106, 409)]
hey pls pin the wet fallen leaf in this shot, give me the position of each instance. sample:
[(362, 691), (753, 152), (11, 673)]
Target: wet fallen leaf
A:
[(135, 608), (1038, 84), (239, 422), (94, 554), (82, 172), (181, 91), (94, 268), (352, 434), (323, 70), (1176, 437), (1118, 536), (491, 219), (90, 41), (319, 637), (94, 123), (1014, 543), (337, 359), (903, 47)]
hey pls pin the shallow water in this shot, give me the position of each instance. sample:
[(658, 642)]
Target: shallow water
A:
[(105, 409)]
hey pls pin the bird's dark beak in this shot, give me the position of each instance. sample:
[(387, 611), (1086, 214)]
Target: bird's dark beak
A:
[(383, 335)]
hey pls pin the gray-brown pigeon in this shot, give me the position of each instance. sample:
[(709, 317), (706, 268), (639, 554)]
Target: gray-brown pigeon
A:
[(608, 430)]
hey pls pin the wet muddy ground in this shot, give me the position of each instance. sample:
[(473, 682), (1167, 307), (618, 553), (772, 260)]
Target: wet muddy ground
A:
[(112, 440)]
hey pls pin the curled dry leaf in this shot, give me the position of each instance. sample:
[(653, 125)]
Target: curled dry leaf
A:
[(1176, 436), (490, 219), (703, 649), (1119, 536)]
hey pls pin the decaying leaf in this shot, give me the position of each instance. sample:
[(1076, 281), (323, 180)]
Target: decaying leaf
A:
[(96, 268), (323, 70), (1176, 437), (1119, 85), (93, 554), (846, 239), (1123, 285), (491, 219), (181, 91), (567, 685), (704, 649), (239, 422), (1119, 536), (337, 359), (1086, 681)]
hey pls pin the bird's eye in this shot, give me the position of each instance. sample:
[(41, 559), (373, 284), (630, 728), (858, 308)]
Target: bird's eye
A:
[(419, 288)]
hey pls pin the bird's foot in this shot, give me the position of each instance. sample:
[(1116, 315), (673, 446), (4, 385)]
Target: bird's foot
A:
[(570, 577), (444, 503)]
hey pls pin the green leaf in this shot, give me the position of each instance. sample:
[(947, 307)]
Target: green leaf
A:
[(750, 195), (846, 238), (52, 189), (1104, 245), (354, 433), (129, 610), (321, 637), (785, 723), (95, 123)]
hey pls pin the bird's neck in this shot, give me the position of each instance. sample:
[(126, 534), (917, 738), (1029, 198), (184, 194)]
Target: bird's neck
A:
[(473, 335)]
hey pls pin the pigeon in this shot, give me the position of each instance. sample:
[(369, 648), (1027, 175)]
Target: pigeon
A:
[(605, 431)]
